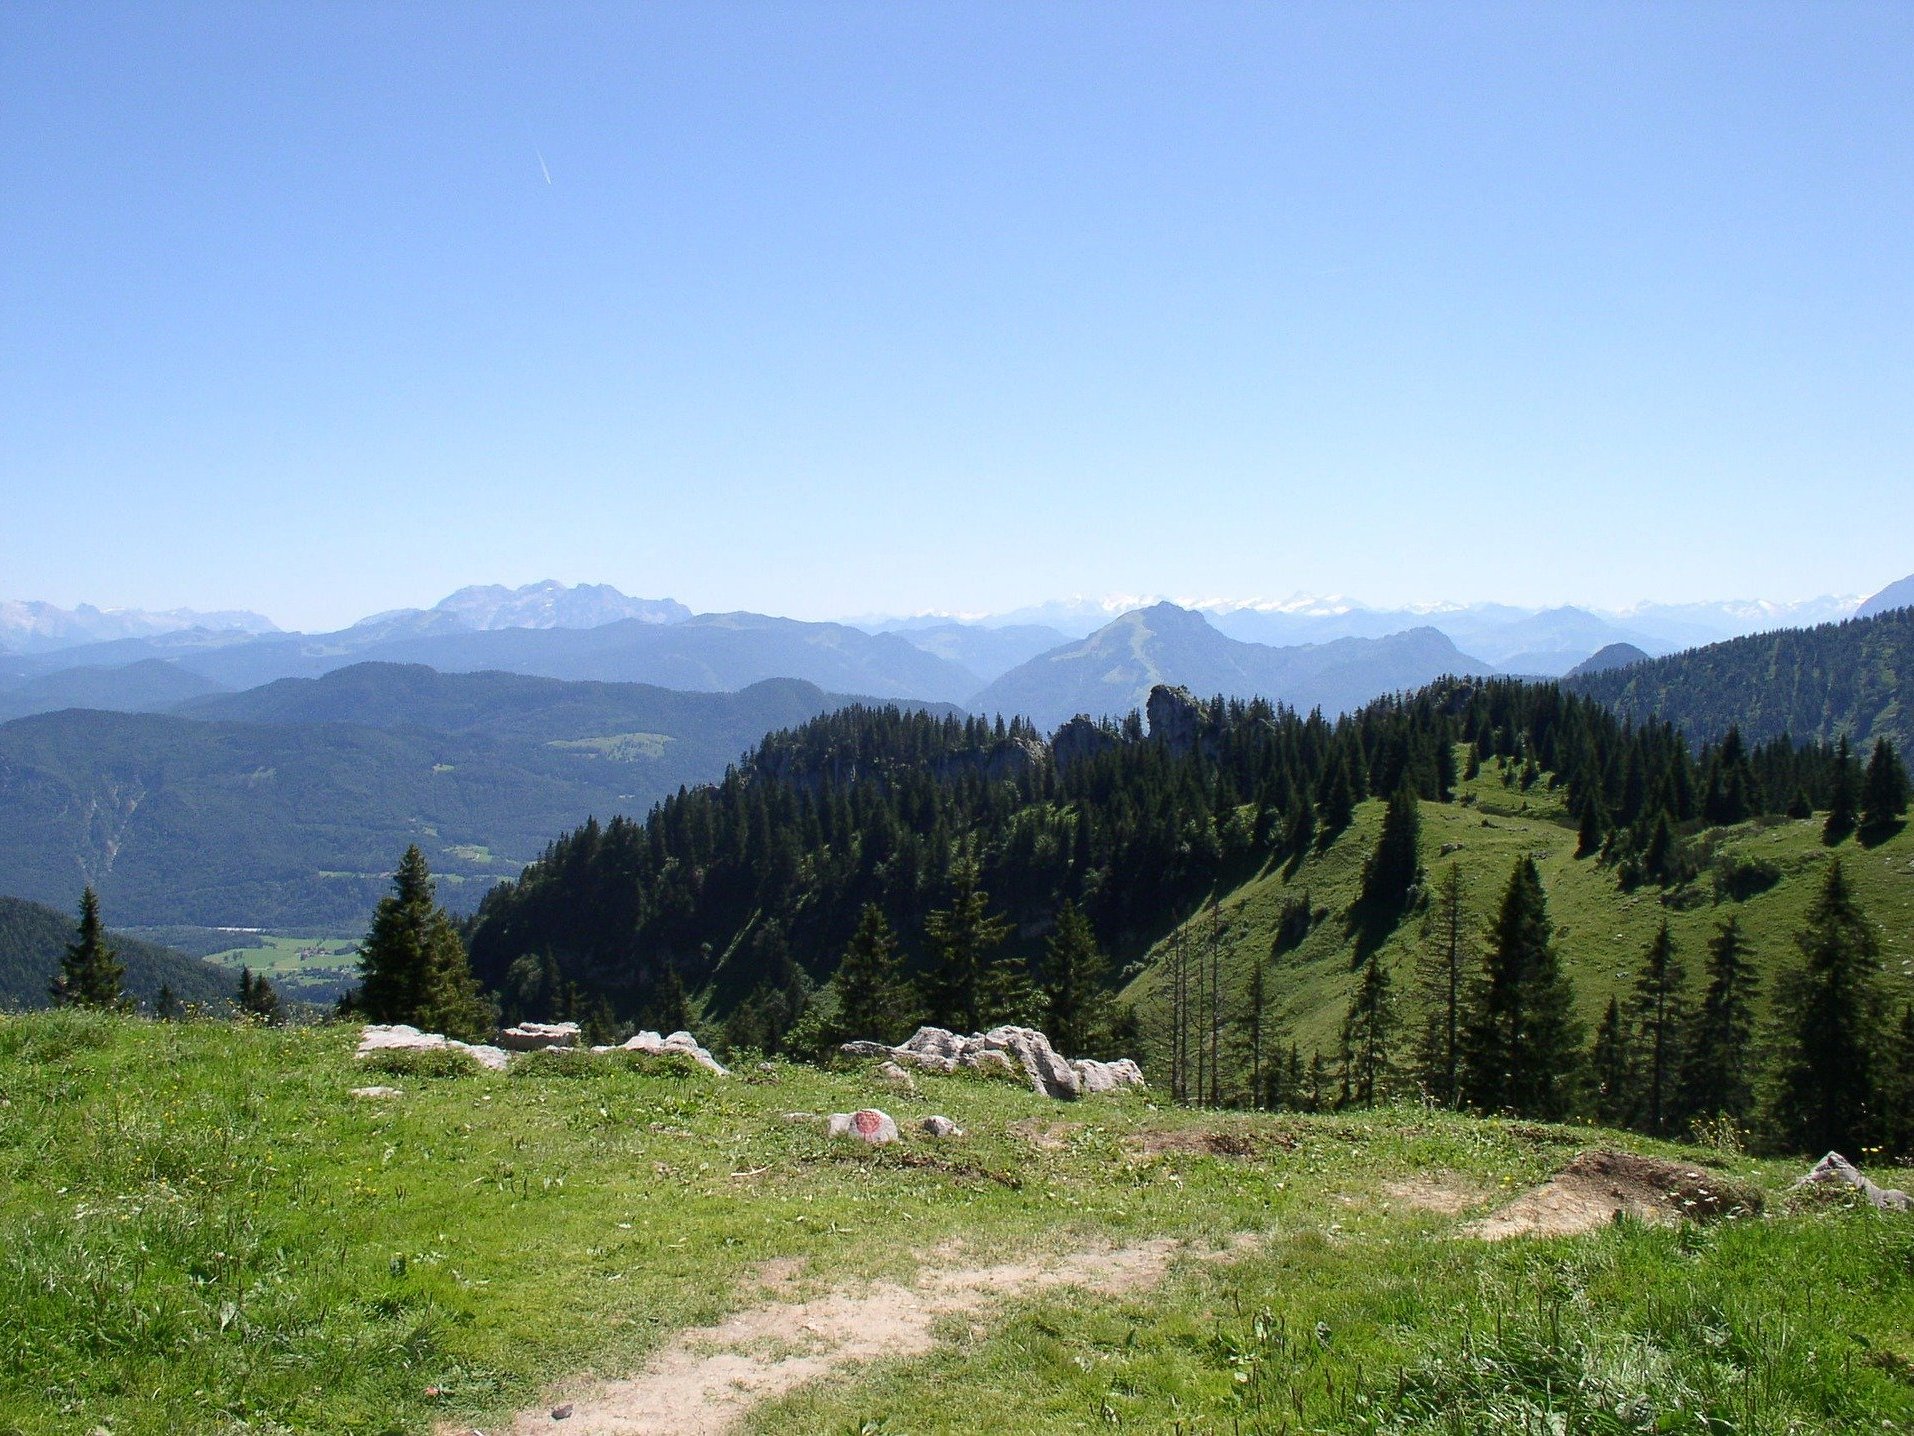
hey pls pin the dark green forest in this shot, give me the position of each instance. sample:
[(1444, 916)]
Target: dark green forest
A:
[(1806, 682)]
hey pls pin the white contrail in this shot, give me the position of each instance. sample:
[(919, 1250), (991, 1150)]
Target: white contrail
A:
[(541, 165)]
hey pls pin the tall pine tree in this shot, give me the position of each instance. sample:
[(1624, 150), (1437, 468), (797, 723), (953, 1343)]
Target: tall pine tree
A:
[(1718, 1076), (1521, 1040), (873, 1001), (1368, 1036), (91, 974), (1829, 1010), (1395, 865), (412, 965), (1074, 973), (1659, 1014), (1442, 981), (1883, 790), (964, 986)]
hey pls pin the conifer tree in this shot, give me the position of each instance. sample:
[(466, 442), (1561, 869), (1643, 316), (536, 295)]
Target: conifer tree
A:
[(91, 974), (1883, 789), (1074, 974), (1717, 1078), (1593, 827), (1255, 1025), (1659, 1017), (1335, 799), (257, 998), (166, 1005), (1368, 1036), (1824, 1096), (872, 1001), (1396, 864), (1442, 978), (1612, 1061), (1521, 1040), (1843, 804), (412, 965), (1898, 1090), (965, 987)]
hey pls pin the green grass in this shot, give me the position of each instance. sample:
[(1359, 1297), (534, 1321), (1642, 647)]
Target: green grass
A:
[(200, 1230), (1600, 930)]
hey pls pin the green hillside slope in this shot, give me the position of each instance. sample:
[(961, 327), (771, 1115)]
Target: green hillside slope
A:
[(1806, 682), (1601, 929), (32, 939)]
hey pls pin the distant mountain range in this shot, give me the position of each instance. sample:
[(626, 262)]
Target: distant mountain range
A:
[(1112, 671), (32, 627), (289, 805)]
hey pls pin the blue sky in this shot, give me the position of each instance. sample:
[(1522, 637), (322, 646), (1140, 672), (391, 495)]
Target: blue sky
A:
[(835, 308)]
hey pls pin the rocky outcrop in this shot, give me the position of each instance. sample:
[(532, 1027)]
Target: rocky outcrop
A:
[(538, 1036), (939, 1127), (1095, 1077), (1080, 739), (399, 1037), (1176, 718), (1836, 1170), (679, 1044), (869, 1125), (1011, 1051)]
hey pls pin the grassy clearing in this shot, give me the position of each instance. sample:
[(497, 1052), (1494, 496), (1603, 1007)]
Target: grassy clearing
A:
[(202, 1231), (1600, 930), (302, 967)]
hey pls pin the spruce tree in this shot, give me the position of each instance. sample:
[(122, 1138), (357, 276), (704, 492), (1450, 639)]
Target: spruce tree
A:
[(1717, 1078), (1659, 1016), (1593, 827), (1823, 1096), (257, 999), (412, 965), (1613, 1069), (1521, 1040), (1843, 805), (1883, 789), (1074, 975), (1396, 864), (91, 974), (872, 1001), (1442, 976), (1335, 799), (166, 1005), (1256, 1035), (964, 986), (1368, 1036)]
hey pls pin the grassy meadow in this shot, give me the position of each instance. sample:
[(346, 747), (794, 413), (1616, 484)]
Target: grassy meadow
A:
[(201, 1230)]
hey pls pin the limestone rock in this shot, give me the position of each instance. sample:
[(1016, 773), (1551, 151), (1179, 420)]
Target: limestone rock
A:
[(1017, 1052), (375, 1094), (679, 1044), (1835, 1168), (537, 1036), (401, 1037), (1100, 1077), (940, 1127), (1176, 717), (896, 1075), (868, 1125), (1082, 737)]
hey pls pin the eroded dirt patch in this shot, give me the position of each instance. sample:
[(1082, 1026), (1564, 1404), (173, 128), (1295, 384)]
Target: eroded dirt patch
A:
[(707, 1379), (1447, 1194), (1208, 1142), (1597, 1187), (1045, 1136)]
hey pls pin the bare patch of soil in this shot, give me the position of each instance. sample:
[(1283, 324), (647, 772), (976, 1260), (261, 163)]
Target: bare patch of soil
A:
[(1045, 1136), (1447, 1194), (1598, 1187), (1207, 1142), (706, 1381)]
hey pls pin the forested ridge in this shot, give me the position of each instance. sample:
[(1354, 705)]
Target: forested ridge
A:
[(756, 883), (1808, 682)]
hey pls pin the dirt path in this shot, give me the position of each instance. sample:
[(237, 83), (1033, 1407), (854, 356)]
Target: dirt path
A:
[(708, 1378)]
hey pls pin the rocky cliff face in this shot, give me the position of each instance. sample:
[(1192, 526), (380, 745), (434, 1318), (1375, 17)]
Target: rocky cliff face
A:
[(1176, 718)]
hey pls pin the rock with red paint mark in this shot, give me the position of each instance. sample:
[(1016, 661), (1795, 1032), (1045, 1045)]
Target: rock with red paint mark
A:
[(869, 1125)]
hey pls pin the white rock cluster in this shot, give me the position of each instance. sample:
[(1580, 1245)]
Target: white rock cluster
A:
[(400, 1037), (1008, 1051), (679, 1044), (529, 1037)]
